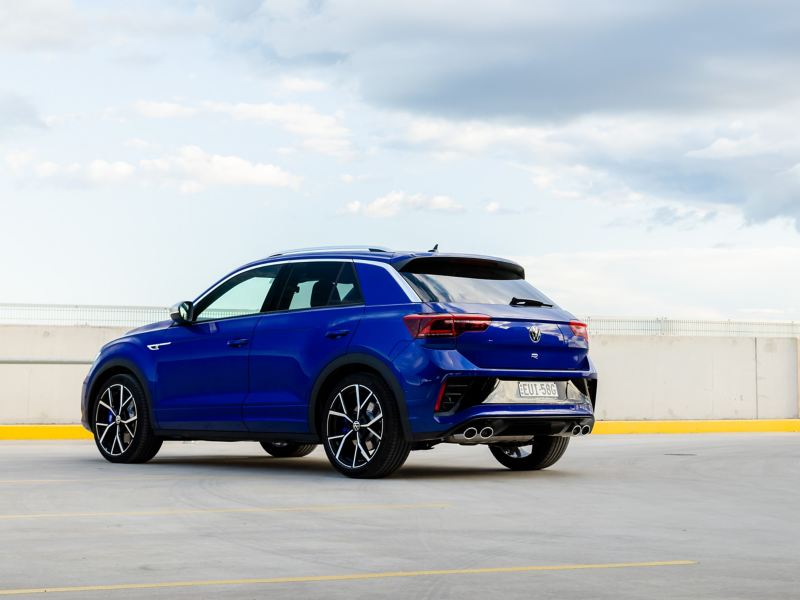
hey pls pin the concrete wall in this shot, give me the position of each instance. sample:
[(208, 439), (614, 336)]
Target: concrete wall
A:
[(32, 388), (662, 377), (641, 377)]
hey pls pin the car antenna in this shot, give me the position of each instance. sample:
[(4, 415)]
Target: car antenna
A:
[(434, 249)]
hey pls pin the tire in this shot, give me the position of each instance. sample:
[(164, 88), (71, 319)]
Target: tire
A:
[(542, 453), (287, 449), (361, 428), (120, 412)]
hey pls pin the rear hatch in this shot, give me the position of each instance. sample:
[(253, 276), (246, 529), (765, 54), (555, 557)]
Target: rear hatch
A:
[(533, 333), (521, 337)]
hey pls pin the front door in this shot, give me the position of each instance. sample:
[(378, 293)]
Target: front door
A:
[(202, 374)]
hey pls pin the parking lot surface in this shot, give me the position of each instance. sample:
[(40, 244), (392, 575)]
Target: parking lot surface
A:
[(673, 516)]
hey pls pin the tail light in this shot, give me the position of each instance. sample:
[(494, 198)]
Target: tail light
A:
[(444, 325), (579, 329)]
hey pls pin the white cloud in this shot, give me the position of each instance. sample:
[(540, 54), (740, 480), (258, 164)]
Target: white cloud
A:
[(393, 203), (94, 173), (349, 178), (137, 143), (322, 133), (40, 24), (496, 208), (191, 169), (299, 84), (164, 110), (104, 172), (196, 169), (17, 160)]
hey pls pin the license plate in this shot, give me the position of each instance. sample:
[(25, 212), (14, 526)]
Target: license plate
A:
[(537, 389)]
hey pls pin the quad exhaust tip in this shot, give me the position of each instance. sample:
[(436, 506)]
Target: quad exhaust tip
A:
[(578, 430), (469, 433), (486, 433)]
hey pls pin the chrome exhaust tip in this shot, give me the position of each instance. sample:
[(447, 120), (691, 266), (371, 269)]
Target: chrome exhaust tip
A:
[(585, 430), (469, 433), (576, 430), (487, 432)]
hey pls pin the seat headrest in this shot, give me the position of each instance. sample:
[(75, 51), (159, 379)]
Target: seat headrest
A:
[(324, 292)]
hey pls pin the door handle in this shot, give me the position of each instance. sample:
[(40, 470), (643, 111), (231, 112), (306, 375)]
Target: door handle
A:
[(337, 333), (238, 343)]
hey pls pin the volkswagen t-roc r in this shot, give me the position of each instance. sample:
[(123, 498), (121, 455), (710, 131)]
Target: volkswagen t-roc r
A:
[(370, 352)]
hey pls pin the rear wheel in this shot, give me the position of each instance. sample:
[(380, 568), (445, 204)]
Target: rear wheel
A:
[(361, 428), (287, 449), (121, 422), (543, 452)]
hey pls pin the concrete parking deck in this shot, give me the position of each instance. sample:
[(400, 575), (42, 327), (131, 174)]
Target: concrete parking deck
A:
[(681, 516)]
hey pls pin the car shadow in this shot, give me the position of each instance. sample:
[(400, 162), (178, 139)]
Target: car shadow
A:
[(319, 466)]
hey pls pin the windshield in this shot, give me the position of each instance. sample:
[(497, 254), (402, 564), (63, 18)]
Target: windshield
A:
[(463, 284)]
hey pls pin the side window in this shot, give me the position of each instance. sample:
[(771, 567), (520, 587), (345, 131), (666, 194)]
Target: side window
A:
[(317, 284), (242, 294), (347, 288)]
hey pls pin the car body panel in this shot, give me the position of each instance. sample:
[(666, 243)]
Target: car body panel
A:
[(289, 349)]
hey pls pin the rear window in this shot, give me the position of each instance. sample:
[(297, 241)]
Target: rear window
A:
[(469, 281)]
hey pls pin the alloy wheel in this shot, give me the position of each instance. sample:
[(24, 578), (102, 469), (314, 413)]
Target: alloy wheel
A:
[(354, 426), (115, 419)]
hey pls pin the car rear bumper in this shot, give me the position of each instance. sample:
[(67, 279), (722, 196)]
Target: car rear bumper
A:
[(505, 425), (434, 414)]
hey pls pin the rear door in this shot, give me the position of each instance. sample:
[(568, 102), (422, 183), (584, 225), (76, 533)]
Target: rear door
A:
[(527, 331), (315, 319)]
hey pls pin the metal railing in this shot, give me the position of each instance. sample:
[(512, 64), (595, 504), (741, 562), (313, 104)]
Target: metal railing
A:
[(691, 327), (81, 315), (135, 316)]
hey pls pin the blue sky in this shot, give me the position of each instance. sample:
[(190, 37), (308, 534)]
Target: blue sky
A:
[(637, 158)]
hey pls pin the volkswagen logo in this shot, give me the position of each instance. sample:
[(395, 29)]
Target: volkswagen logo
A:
[(535, 333)]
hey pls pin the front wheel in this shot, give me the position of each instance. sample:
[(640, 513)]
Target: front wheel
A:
[(287, 449), (541, 453), (361, 427), (121, 423)]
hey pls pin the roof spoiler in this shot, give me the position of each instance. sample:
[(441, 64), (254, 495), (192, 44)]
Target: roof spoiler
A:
[(462, 266)]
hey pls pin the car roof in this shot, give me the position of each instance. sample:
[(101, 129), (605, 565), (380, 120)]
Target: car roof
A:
[(372, 253)]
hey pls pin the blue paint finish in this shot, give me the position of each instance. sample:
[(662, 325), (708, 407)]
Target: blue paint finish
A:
[(289, 349), (196, 381)]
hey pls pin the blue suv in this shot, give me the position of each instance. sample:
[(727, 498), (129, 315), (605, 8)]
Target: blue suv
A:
[(370, 352)]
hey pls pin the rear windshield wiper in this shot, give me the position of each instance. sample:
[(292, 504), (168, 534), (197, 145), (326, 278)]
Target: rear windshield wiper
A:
[(528, 302)]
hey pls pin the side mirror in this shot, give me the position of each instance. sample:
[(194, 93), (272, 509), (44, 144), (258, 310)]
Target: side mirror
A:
[(181, 313)]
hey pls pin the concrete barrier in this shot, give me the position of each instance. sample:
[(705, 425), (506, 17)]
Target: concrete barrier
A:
[(641, 377), (667, 378), (42, 369)]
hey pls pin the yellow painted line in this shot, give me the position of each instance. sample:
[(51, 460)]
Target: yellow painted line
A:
[(44, 432), (76, 432), (690, 426), (205, 511), (345, 577)]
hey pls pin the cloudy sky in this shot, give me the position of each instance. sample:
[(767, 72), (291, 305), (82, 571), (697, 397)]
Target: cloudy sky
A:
[(639, 158)]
